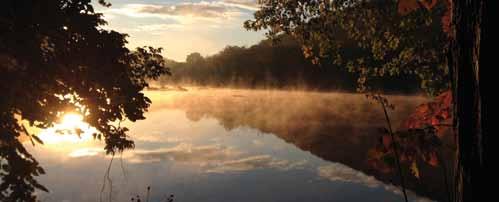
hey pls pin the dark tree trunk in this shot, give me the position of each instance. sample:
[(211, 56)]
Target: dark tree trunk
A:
[(465, 59)]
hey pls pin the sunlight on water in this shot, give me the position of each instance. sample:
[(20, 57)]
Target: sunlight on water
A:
[(71, 129)]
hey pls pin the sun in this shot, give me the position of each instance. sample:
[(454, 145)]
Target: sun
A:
[(71, 129), (72, 120)]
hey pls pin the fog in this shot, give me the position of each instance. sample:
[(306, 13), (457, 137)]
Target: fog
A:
[(337, 127), (216, 144)]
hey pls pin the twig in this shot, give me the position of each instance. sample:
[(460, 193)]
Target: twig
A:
[(443, 124), (123, 167), (106, 177), (395, 148), (147, 196)]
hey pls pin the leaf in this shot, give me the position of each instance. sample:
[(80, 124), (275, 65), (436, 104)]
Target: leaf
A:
[(32, 136), (407, 6), (433, 161), (432, 113), (78, 132), (40, 186), (428, 4), (37, 139), (374, 154), (389, 160), (414, 169), (387, 141)]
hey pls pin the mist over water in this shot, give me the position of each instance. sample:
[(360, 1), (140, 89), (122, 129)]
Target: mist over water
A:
[(241, 145)]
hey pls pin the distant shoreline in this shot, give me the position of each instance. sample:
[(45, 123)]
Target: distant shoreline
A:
[(178, 87)]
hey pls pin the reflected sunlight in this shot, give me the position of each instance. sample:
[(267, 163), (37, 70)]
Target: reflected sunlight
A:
[(71, 129)]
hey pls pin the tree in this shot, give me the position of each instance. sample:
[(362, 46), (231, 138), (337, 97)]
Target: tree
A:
[(369, 38), (470, 50), (270, 64), (56, 58), (194, 58), (321, 20)]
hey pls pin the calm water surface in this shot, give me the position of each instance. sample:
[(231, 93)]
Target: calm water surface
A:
[(235, 145)]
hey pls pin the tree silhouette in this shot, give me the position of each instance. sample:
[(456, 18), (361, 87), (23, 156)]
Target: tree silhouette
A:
[(277, 63), (55, 57), (464, 45), (369, 38)]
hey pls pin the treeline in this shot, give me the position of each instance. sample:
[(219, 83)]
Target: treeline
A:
[(272, 64)]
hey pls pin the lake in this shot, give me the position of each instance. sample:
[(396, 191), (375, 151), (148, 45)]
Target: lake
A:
[(239, 145)]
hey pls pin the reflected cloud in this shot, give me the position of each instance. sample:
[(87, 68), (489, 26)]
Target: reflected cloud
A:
[(340, 172), (214, 158), (258, 142), (228, 139), (255, 162), (336, 127), (185, 153), (158, 137), (343, 173), (86, 152)]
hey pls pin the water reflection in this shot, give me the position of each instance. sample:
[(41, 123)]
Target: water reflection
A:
[(71, 129), (234, 145)]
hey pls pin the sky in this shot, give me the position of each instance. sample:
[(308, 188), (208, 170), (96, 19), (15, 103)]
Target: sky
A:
[(183, 27)]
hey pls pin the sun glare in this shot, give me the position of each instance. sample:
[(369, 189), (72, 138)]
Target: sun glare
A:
[(72, 121), (71, 129)]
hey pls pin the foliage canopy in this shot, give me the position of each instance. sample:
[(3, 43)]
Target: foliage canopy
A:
[(369, 38), (55, 58)]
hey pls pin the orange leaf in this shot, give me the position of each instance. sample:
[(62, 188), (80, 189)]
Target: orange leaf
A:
[(374, 154)]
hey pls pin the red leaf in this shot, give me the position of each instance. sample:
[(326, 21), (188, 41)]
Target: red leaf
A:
[(431, 113), (428, 4), (407, 6), (387, 141), (433, 161)]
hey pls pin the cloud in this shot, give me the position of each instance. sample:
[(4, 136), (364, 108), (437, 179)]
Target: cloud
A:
[(206, 10), (227, 9), (159, 28), (343, 173), (250, 5), (183, 27)]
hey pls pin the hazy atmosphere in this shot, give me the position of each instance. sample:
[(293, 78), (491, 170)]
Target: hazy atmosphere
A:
[(183, 27), (244, 101)]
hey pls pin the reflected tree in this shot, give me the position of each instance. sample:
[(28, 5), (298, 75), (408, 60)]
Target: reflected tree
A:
[(383, 30), (385, 39), (55, 57)]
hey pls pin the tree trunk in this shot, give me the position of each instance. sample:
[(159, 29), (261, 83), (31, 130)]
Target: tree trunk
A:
[(465, 58)]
